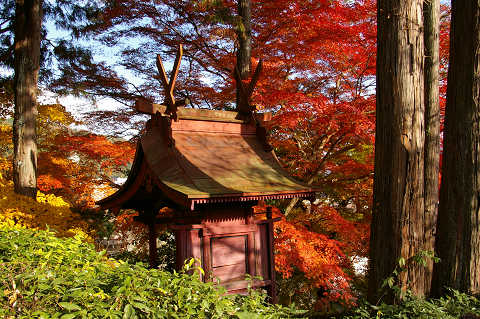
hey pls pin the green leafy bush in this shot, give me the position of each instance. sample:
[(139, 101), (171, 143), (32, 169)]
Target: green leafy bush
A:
[(43, 276), (454, 305)]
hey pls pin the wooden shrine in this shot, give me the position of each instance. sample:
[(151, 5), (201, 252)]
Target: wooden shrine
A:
[(209, 168)]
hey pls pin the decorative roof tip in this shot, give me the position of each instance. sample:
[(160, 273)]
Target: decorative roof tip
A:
[(172, 108), (245, 93), (169, 85)]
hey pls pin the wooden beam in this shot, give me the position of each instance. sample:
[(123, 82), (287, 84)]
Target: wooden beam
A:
[(207, 258), (147, 107)]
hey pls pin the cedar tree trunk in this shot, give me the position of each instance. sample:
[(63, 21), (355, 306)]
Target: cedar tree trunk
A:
[(431, 20), (28, 21), (458, 229), (244, 36), (397, 228)]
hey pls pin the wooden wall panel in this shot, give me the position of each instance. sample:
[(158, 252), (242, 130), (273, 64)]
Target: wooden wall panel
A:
[(228, 250)]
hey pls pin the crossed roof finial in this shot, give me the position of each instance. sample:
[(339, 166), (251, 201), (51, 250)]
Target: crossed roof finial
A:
[(169, 86), (244, 106), (245, 93)]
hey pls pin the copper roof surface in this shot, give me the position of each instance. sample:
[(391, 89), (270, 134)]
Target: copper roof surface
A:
[(214, 157)]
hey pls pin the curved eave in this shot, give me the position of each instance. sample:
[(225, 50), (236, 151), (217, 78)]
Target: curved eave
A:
[(207, 162), (130, 187)]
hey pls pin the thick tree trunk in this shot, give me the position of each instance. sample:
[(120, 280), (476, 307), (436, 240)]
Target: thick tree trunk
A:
[(244, 36), (398, 207), (431, 20), (28, 20), (458, 228)]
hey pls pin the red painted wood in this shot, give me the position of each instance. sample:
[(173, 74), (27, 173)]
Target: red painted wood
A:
[(206, 258), (251, 242), (214, 127), (245, 197), (230, 229), (231, 244), (188, 245), (257, 248), (195, 245), (230, 272), (264, 252), (213, 215), (210, 163), (228, 250), (251, 253)]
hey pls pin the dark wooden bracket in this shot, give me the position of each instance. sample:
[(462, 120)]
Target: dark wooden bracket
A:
[(167, 130), (169, 85), (245, 93)]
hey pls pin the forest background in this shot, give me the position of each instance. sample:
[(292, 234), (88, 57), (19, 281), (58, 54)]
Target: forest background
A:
[(318, 80)]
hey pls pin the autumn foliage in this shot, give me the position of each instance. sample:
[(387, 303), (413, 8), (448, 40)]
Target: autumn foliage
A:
[(75, 168), (62, 168), (47, 210), (320, 258), (319, 64), (77, 165), (318, 80)]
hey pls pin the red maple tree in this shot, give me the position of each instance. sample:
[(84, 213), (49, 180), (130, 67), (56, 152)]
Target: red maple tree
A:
[(319, 64)]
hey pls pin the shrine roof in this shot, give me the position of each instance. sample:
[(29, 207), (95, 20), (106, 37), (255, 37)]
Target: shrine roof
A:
[(209, 156)]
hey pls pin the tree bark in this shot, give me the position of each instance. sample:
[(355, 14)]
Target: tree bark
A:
[(458, 228), (397, 228), (244, 36), (28, 21), (431, 10)]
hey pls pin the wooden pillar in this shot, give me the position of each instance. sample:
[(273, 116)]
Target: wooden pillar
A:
[(207, 256), (147, 217), (251, 245), (152, 243), (181, 247), (271, 257)]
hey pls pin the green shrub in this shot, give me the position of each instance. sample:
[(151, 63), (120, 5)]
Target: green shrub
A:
[(43, 276), (453, 306)]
